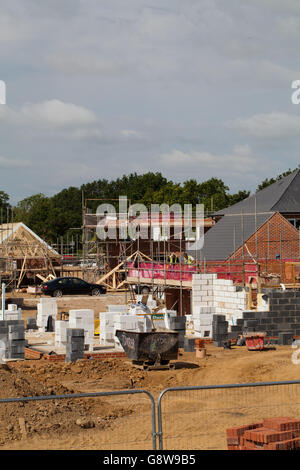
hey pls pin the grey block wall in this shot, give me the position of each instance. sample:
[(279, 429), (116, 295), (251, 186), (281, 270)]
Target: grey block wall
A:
[(283, 317)]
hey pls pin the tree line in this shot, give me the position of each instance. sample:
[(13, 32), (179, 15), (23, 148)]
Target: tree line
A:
[(57, 216)]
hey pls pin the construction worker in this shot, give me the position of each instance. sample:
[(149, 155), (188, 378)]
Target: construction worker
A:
[(188, 259), (173, 259)]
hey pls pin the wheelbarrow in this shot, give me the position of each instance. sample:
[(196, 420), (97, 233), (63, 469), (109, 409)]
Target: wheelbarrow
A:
[(151, 350)]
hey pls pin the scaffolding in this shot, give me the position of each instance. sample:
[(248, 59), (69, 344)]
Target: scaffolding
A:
[(113, 259)]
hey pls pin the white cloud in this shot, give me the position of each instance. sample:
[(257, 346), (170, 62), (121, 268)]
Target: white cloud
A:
[(129, 134), (7, 163), (87, 133), (239, 161), (273, 125), (48, 114), (13, 29), (283, 8), (172, 64), (85, 64)]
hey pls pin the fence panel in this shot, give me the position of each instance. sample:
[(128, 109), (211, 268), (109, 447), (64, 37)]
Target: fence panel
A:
[(193, 418), (119, 420)]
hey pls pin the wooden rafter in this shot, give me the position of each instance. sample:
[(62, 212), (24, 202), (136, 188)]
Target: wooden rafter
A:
[(110, 279)]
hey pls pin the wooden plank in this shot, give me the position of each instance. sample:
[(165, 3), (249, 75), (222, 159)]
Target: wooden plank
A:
[(107, 275), (160, 282), (118, 269), (21, 273)]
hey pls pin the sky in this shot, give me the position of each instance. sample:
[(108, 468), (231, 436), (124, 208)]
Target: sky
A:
[(192, 89)]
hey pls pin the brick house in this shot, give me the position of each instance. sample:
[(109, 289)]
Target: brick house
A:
[(261, 228)]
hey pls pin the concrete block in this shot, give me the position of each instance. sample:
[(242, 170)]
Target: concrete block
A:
[(73, 357), (74, 347), (74, 332), (117, 308)]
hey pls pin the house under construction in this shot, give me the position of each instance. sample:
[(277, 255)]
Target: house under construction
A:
[(24, 256)]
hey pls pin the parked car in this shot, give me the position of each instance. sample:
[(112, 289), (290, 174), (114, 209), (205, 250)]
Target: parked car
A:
[(71, 286)]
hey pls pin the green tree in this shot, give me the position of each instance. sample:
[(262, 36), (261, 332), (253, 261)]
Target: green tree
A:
[(213, 194), (171, 193), (237, 197), (35, 212), (266, 182), (66, 210), (4, 206), (23, 208)]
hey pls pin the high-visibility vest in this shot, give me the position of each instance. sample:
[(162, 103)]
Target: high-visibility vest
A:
[(173, 259)]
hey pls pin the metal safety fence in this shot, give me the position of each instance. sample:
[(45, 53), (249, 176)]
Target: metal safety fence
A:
[(117, 420), (196, 418), (183, 418)]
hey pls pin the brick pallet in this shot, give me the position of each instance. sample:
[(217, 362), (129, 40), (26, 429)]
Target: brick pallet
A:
[(282, 433)]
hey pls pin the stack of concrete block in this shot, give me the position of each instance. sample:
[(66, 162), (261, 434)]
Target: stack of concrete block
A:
[(285, 338), (84, 318), (75, 344), (220, 330), (124, 322), (3, 348), (210, 296), (16, 341), (61, 333), (13, 312), (203, 319), (178, 324), (12, 341), (46, 307), (31, 324), (117, 308), (189, 344), (106, 328)]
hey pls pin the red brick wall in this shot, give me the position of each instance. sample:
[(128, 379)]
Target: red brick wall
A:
[(278, 227)]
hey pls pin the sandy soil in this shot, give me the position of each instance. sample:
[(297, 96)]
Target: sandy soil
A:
[(191, 420)]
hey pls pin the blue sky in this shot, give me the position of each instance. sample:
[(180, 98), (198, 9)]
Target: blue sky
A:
[(194, 89)]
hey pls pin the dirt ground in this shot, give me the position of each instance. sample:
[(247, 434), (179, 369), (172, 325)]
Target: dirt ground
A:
[(121, 422)]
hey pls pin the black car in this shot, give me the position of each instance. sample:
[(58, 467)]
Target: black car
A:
[(71, 286)]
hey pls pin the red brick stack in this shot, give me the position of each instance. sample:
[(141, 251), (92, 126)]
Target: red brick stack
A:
[(281, 433)]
